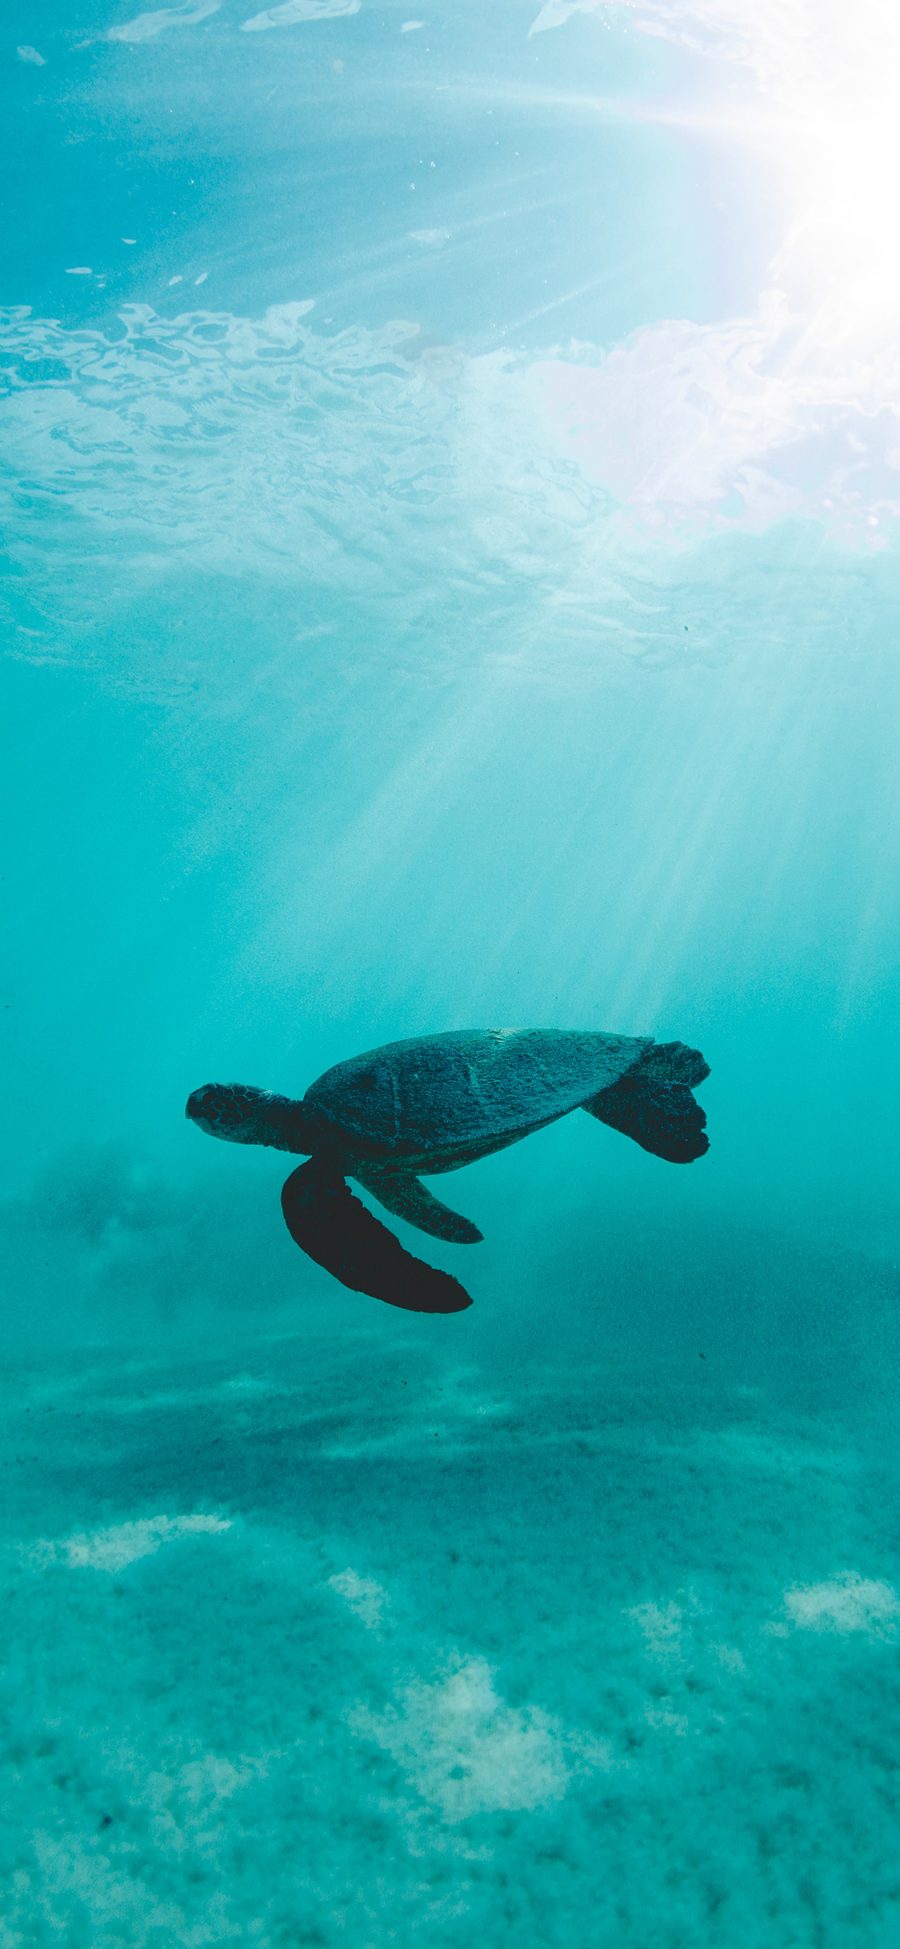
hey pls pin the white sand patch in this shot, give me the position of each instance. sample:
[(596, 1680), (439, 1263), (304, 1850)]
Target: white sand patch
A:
[(664, 1719), (744, 1446), (31, 55), (366, 1598), (662, 1626), (465, 1750), (293, 11), (176, 1399), (207, 1781), (124, 1543), (430, 238), (844, 1604), (729, 1657), (459, 1394), (451, 1411)]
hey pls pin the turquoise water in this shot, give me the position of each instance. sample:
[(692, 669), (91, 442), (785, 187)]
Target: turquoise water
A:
[(450, 484)]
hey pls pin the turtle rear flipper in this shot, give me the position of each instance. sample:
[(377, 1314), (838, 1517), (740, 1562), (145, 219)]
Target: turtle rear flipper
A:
[(671, 1062), (407, 1198), (664, 1118), (336, 1230)]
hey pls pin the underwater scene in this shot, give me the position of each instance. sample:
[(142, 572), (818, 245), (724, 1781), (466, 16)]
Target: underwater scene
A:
[(450, 516)]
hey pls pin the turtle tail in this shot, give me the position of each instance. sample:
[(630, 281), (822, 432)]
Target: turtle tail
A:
[(654, 1103)]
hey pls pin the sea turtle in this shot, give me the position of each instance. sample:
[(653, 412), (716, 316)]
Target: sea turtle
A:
[(433, 1104)]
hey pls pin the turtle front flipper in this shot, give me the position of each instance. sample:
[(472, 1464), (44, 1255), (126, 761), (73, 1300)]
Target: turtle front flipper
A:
[(336, 1230), (407, 1198)]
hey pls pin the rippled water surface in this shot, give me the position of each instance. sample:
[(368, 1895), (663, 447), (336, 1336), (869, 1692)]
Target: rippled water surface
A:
[(450, 482)]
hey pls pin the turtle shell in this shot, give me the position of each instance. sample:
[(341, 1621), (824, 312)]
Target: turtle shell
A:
[(467, 1091)]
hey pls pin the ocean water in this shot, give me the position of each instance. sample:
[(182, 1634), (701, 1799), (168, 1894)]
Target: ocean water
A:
[(450, 474)]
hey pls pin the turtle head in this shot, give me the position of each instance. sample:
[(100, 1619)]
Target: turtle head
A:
[(245, 1115)]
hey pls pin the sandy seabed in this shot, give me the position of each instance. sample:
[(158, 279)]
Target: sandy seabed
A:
[(514, 1636)]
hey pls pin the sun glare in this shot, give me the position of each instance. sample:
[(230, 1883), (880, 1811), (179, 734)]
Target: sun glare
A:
[(829, 78), (826, 124), (842, 135)]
